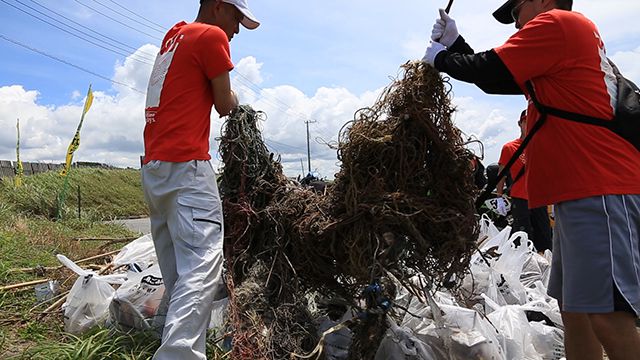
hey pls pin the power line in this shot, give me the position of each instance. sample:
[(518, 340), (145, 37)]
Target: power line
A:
[(161, 30), (68, 63), (118, 21), (290, 147), (279, 105), (257, 87), (151, 56), (283, 106), (138, 15), (75, 35), (250, 84), (252, 87), (244, 79)]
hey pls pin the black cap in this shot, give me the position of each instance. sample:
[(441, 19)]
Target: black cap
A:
[(503, 14)]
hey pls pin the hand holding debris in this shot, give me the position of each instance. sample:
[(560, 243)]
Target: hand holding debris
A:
[(445, 30), (432, 51)]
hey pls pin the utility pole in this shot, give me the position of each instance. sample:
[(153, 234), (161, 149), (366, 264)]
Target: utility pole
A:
[(308, 148)]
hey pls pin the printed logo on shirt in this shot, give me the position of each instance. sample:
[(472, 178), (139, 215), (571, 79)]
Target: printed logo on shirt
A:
[(523, 158), (158, 76), (609, 77)]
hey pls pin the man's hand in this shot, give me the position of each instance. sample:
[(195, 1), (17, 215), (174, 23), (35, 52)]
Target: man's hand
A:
[(432, 51), (445, 30), (235, 98)]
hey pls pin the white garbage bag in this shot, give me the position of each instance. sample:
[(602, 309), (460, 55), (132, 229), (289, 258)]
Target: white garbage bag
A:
[(514, 332), (509, 265), (136, 302), (538, 300), (400, 343), (548, 341), (140, 251), (535, 268), (219, 313), (487, 228), (485, 280), (88, 301), (463, 334), (494, 242)]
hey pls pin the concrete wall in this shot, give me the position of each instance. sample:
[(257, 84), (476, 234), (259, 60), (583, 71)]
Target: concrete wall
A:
[(7, 168)]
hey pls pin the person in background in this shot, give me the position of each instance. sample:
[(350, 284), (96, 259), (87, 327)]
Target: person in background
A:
[(535, 222), (498, 216), (589, 173), (478, 171), (190, 75), (492, 173)]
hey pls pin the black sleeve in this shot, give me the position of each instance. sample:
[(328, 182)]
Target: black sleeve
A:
[(486, 70), (460, 46)]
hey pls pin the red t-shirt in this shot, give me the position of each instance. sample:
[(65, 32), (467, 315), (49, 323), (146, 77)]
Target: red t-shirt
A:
[(564, 56), (519, 188), (180, 95)]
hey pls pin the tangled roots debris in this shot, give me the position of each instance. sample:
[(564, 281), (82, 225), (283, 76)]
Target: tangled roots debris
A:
[(401, 205)]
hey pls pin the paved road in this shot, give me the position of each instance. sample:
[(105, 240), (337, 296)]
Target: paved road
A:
[(142, 226)]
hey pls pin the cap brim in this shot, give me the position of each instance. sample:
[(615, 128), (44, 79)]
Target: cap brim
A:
[(249, 24), (249, 21), (503, 14)]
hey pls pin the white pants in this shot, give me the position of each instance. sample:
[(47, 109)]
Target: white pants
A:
[(187, 230)]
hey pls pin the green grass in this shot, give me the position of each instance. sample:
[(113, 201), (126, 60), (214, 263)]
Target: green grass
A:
[(97, 345), (30, 236), (104, 193), (102, 344)]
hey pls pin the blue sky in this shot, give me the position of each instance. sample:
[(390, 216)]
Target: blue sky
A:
[(309, 60)]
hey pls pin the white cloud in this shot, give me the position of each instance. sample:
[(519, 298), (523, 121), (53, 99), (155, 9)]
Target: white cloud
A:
[(287, 109), (249, 67), (629, 64), (112, 132), (135, 71), (491, 122), (613, 18)]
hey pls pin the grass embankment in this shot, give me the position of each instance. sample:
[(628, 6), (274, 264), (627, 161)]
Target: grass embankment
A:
[(31, 237)]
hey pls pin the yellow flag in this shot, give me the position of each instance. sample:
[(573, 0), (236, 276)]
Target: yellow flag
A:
[(87, 104), (75, 143), (19, 169)]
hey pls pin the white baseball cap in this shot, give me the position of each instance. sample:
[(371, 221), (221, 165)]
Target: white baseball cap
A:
[(249, 21)]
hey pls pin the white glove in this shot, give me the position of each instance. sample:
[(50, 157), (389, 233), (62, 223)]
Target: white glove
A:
[(430, 55), (445, 30), (501, 206)]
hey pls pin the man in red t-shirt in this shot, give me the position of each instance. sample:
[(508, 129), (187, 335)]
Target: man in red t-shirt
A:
[(535, 221), (190, 75), (590, 174)]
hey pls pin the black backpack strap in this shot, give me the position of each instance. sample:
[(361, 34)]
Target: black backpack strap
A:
[(486, 194), (568, 115)]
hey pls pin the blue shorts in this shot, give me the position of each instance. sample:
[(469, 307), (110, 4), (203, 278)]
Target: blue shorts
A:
[(596, 255)]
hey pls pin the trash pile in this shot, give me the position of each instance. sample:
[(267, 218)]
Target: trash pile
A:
[(500, 311), (390, 262), (401, 205)]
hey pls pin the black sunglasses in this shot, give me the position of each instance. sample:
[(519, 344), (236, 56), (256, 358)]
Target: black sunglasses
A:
[(515, 12)]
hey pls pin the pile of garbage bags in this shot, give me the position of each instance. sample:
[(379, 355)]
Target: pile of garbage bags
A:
[(501, 311)]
